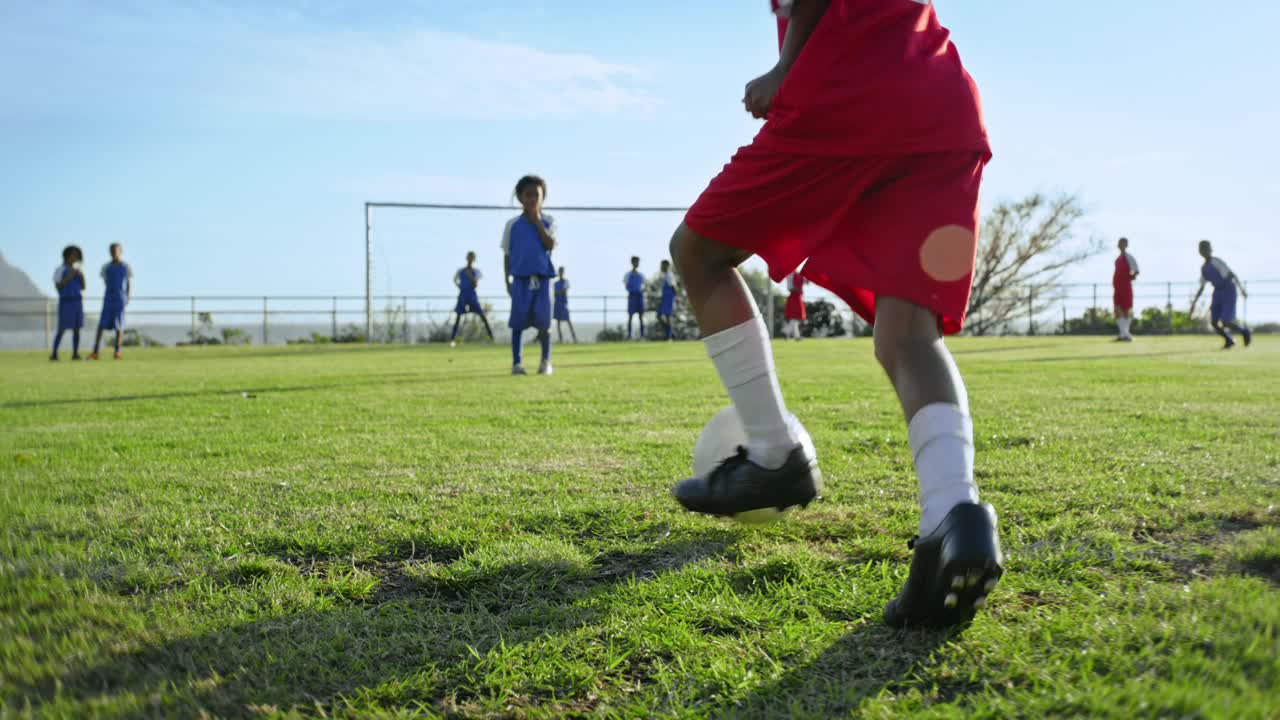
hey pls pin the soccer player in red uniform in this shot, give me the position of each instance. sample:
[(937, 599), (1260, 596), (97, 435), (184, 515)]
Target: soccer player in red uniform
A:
[(867, 170), (1122, 286), (794, 312)]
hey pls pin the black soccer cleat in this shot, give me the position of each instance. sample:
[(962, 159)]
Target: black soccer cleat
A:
[(738, 485), (953, 570), (1248, 337)]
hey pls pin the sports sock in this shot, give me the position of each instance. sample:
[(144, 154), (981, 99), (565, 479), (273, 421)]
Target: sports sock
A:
[(515, 347), (75, 341), (544, 337), (941, 439), (118, 342), (456, 324), (57, 340), (744, 359)]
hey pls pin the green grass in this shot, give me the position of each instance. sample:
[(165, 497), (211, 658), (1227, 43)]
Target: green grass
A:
[(401, 532)]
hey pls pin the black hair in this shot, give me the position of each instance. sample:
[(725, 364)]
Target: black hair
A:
[(471, 253), (561, 268), (664, 262), (72, 250), (635, 259), (528, 180), (112, 247)]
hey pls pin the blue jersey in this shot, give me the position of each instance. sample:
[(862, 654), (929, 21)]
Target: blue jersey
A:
[(72, 290), (526, 255), (634, 281), (116, 277), (467, 279), (1216, 273), (561, 289)]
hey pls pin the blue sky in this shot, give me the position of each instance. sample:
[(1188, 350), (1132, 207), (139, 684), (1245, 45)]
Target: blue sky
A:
[(230, 147)]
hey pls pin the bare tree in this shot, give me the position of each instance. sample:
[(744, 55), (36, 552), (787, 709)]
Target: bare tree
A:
[(1023, 250)]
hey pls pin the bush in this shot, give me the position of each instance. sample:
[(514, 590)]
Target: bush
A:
[(134, 338), (616, 333), (313, 339)]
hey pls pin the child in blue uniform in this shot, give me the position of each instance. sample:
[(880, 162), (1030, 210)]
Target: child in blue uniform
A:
[(466, 280), (69, 281), (561, 310), (667, 305), (633, 281), (1222, 306), (527, 243), (117, 277)]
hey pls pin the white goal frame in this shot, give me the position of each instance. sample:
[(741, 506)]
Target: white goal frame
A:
[(368, 233)]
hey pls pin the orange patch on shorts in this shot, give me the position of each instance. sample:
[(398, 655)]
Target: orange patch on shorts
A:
[(947, 254)]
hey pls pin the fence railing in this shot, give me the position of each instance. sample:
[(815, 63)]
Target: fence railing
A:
[(271, 319)]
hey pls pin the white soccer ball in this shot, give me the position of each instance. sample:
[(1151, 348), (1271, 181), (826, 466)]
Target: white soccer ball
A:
[(720, 440)]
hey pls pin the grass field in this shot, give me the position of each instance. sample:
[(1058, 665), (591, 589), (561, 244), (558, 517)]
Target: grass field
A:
[(397, 532)]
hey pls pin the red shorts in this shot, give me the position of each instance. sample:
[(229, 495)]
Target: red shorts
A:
[(1123, 296), (903, 226), (795, 307)]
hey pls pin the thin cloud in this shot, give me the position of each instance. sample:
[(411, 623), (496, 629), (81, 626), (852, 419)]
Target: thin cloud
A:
[(67, 59)]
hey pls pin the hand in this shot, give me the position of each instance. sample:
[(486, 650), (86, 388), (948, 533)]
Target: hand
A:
[(759, 93), (533, 213)]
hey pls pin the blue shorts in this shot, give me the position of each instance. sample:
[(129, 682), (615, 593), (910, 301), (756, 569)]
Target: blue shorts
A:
[(667, 307), (1223, 306), (112, 317), (70, 315), (530, 306), (635, 303), (468, 301), (561, 311)]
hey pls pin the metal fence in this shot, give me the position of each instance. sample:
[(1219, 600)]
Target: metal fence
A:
[(275, 319)]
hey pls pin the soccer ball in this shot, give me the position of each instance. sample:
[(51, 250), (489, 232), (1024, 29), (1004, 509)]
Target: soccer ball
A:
[(720, 440)]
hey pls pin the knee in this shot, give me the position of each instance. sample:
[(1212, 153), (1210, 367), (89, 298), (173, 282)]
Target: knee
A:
[(696, 255)]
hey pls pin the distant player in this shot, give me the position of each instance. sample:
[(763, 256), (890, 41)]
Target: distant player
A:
[(868, 167), (1122, 286), (795, 312), (466, 280), (667, 304), (527, 243), (561, 310), (633, 281), (1222, 306), (69, 281), (117, 278)]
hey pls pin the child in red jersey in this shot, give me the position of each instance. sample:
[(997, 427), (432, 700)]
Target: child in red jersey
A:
[(1122, 286), (867, 171)]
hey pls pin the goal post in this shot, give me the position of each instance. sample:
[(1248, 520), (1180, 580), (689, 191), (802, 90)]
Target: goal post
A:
[(370, 206)]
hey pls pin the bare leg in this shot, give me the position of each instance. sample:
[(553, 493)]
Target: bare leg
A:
[(910, 349), (572, 333), (718, 295)]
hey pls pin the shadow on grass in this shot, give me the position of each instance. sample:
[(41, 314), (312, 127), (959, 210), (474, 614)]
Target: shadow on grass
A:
[(870, 660), (427, 635)]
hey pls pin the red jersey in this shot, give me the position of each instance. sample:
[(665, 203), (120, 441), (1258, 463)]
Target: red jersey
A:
[(877, 77), (1126, 266)]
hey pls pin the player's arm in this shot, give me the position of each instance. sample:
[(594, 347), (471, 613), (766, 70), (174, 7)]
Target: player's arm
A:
[(545, 234), (506, 271), (805, 15), (1196, 298), (1236, 279)]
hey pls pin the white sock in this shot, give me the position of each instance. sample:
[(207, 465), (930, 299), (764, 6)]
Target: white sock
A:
[(1120, 327), (744, 358), (941, 438)]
